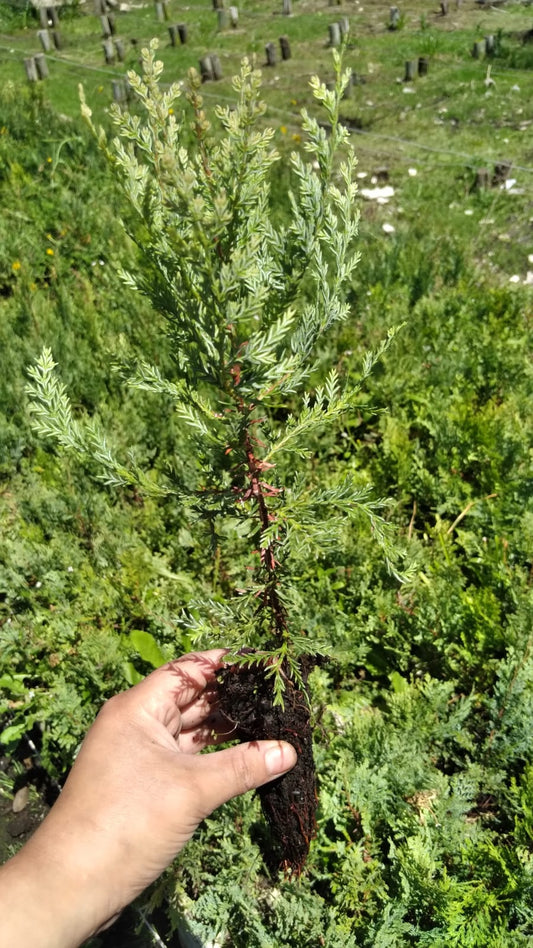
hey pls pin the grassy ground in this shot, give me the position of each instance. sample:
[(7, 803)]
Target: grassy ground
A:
[(432, 134)]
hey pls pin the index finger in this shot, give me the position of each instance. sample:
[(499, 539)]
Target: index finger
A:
[(176, 684)]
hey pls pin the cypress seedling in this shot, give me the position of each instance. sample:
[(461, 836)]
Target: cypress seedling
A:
[(246, 302)]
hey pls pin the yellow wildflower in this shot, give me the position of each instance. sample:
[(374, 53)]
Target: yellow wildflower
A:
[(16, 265), (49, 160), (283, 129), (50, 252), (171, 111), (296, 137)]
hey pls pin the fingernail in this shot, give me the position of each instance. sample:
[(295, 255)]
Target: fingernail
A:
[(279, 758)]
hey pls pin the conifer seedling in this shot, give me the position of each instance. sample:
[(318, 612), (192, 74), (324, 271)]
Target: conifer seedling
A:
[(246, 302)]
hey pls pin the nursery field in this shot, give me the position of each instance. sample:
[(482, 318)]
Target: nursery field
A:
[(417, 492)]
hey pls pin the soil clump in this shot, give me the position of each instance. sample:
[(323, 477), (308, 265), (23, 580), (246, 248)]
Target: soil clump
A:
[(289, 803)]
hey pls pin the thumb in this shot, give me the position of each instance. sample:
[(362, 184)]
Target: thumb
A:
[(227, 773)]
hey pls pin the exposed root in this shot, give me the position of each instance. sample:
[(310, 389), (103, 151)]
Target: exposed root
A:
[(289, 803)]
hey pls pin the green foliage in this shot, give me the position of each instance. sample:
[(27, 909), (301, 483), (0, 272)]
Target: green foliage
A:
[(245, 303), (423, 720), (409, 847), (69, 592)]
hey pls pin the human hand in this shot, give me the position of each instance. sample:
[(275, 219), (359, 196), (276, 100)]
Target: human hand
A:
[(136, 793)]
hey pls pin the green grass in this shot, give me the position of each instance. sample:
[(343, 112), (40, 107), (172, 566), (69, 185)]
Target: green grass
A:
[(447, 124)]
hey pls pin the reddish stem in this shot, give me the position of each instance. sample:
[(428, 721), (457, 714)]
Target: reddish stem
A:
[(259, 490)]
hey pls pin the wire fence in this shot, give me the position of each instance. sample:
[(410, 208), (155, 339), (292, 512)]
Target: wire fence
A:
[(366, 137)]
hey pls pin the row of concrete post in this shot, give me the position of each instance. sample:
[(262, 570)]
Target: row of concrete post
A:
[(416, 67), (271, 51), (484, 47), (210, 68), (49, 40), (286, 6), (338, 30), (48, 17), (36, 67)]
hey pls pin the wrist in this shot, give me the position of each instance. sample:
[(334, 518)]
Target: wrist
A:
[(50, 895)]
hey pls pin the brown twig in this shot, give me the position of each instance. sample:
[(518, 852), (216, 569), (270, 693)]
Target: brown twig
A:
[(467, 510), (412, 521)]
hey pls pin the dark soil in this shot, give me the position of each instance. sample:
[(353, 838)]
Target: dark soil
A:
[(289, 803), (16, 826)]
